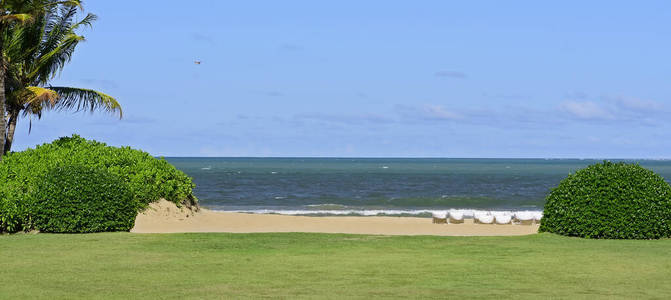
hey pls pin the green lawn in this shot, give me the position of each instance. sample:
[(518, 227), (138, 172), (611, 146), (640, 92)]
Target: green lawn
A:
[(289, 265)]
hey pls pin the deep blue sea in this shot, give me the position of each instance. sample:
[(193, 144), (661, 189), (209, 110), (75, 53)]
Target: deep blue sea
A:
[(371, 186)]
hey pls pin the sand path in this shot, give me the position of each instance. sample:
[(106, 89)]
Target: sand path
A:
[(165, 217)]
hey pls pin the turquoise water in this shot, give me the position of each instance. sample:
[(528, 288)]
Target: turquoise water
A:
[(378, 185)]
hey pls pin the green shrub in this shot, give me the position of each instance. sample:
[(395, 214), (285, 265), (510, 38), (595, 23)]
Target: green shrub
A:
[(77, 198), (612, 201), (148, 179)]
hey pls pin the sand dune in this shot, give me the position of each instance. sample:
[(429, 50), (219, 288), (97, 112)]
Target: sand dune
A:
[(165, 217)]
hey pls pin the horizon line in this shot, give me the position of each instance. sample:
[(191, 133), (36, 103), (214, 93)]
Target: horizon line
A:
[(423, 157)]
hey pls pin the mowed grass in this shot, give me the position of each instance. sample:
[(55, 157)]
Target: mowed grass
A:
[(295, 265)]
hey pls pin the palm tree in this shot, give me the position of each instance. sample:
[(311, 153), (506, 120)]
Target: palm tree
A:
[(10, 13), (13, 12), (37, 53)]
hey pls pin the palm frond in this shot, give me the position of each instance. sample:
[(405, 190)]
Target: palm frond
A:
[(76, 3), (13, 44), (33, 99), (78, 99), (36, 94), (86, 21), (21, 18), (49, 64), (57, 27)]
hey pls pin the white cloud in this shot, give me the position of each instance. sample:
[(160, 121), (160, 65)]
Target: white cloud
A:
[(587, 110), (639, 104), (359, 119), (451, 74), (617, 109), (426, 113), (440, 113)]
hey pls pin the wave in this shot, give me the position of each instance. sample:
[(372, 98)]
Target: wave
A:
[(467, 213), (326, 206)]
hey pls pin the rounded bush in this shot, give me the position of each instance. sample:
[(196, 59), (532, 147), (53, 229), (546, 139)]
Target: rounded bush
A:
[(22, 178), (610, 201), (77, 198)]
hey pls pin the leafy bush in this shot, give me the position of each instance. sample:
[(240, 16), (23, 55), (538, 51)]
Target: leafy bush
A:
[(612, 201), (148, 179), (77, 198)]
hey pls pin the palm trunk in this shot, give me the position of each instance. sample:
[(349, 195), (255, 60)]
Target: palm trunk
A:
[(3, 128), (13, 117), (3, 70)]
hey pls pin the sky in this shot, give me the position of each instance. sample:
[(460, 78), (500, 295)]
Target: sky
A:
[(509, 79)]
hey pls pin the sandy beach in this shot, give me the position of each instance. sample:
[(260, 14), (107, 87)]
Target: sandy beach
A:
[(165, 217)]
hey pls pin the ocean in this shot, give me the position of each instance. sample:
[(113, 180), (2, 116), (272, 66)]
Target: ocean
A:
[(379, 186)]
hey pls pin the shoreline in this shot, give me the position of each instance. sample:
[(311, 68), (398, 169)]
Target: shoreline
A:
[(417, 213), (165, 217)]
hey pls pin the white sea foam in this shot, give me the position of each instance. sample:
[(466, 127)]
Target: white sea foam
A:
[(326, 206), (467, 213)]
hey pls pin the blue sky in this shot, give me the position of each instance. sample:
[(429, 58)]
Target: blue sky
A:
[(376, 78)]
